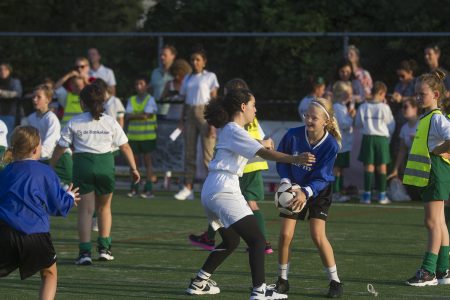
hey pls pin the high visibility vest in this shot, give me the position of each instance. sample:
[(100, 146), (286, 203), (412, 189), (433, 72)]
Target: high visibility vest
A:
[(418, 167), (71, 109), (141, 130), (255, 163)]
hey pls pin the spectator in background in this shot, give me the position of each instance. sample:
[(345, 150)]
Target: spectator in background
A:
[(3, 141), (344, 72), (10, 92), (161, 75), (316, 87), (70, 99), (113, 106), (97, 70), (197, 89), (432, 54), (362, 75)]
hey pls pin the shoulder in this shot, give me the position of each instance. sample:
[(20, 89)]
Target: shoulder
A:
[(295, 131), (440, 120), (332, 143)]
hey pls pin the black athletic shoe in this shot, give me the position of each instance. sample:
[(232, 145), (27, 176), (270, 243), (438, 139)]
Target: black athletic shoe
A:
[(422, 278), (104, 254), (443, 278), (282, 285), (84, 258), (336, 289)]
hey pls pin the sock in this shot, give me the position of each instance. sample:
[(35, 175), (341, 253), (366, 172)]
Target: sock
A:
[(447, 214), (332, 273), (260, 288), (203, 275), (367, 196), (336, 187), (368, 178), (442, 261), (211, 233), (148, 186), (283, 271), (382, 196), (104, 242), (382, 182), (341, 183), (429, 262), (85, 246), (261, 224), (95, 214), (134, 186)]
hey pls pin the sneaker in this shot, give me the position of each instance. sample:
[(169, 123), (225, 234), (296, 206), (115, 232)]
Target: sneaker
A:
[(443, 278), (364, 201), (282, 285), (185, 194), (84, 259), (147, 195), (266, 293), (202, 241), (104, 254), (386, 200), (95, 224), (131, 193), (202, 287), (335, 290), (366, 198), (341, 198), (422, 278), (268, 249)]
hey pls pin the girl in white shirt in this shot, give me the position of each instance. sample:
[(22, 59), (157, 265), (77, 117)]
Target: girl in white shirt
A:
[(3, 140), (92, 135), (221, 197)]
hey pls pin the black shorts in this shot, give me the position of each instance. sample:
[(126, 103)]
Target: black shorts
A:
[(28, 252), (317, 207)]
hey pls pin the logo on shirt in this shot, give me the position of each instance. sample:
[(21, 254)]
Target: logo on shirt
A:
[(306, 168), (90, 131), (79, 133)]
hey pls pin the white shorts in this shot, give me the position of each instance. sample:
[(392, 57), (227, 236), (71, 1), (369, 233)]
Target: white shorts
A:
[(223, 201)]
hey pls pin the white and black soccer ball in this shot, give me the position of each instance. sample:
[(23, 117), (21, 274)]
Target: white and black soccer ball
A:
[(284, 196)]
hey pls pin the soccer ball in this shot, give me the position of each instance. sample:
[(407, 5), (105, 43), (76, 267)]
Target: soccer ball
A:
[(284, 196)]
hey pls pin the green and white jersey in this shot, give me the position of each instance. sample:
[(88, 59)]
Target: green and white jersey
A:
[(49, 130), (3, 133)]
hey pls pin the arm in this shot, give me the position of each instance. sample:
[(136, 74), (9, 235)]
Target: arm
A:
[(57, 153), (66, 77), (402, 152), (128, 153), (58, 201), (442, 149), (305, 158), (120, 120), (51, 137)]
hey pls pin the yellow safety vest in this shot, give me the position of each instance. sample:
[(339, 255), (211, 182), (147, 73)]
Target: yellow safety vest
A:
[(72, 108), (256, 163), (141, 130), (418, 167)]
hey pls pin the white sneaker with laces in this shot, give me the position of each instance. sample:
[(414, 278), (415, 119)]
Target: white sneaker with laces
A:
[(202, 287), (266, 293), (386, 200), (185, 194), (147, 195), (131, 193)]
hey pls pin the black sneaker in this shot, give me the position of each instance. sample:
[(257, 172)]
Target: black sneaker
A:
[(202, 287), (267, 293), (443, 278), (104, 254), (336, 289), (84, 258), (282, 285), (422, 278), (202, 241)]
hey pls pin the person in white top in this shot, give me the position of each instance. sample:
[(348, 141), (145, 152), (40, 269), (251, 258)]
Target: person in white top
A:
[(221, 197), (92, 135), (345, 114), (197, 89), (377, 125), (97, 70), (3, 140), (317, 89)]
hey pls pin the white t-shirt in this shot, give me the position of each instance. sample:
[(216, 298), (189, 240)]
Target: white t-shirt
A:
[(375, 118), (233, 149), (92, 136), (345, 122), (3, 133), (150, 107), (304, 104), (61, 95), (114, 107), (197, 87), (407, 133), (439, 131), (49, 130), (104, 73)]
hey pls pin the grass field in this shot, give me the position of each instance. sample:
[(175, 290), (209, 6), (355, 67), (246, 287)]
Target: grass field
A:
[(153, 259)]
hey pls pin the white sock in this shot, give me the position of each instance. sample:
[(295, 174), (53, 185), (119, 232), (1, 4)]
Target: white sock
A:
[(283, 271), (332, 273), (203, 275)]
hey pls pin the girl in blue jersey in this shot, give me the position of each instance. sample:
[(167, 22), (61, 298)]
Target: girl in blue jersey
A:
[(321, 137), (29, 192)]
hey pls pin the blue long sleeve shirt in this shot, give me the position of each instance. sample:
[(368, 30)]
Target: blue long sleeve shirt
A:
[(30, 191), (313, 179)]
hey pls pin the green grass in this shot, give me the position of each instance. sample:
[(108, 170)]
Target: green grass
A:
[(153, 259)]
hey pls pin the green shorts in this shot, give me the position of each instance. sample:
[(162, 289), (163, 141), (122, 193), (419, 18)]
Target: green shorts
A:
[(252, 186), (143, 147), (94, 172), (342, 160), (374, 150), (438, 187), (63, 168)]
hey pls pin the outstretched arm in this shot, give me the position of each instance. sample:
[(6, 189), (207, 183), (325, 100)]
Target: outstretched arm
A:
[(305, 158)]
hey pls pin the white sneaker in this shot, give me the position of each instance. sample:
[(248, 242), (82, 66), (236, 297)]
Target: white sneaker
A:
[(147, 195), (185, 194), (338, 198), (386, 200), (131, 194), (202, 287), (266, 293), (94, 224)]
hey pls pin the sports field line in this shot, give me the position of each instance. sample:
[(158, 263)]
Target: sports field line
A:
[(368, 205)]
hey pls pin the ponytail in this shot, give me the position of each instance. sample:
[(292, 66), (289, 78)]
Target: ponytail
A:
[(93, 97), (332, 126), (7, 157), (215, 114)]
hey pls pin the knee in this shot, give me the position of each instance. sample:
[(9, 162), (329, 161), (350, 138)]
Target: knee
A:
[(432, 224), (318, 238), (229, 245), (285, 239)]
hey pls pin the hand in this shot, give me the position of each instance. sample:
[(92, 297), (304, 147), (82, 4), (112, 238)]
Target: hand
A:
[(396, 97), (268, 144), (305, 158), (298, 201), (394, 174), (352, 112), (445, 155), (76, 195), (135, 176)]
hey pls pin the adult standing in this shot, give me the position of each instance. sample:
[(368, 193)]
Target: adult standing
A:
[(360, 73), (97, 70), (10, 92), (432, 54), (161, 75), (197, 89)]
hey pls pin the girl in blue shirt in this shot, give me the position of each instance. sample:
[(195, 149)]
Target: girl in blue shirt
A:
[(321, 137)]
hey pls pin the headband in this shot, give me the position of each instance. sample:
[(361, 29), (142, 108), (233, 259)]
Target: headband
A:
[(322, 107)]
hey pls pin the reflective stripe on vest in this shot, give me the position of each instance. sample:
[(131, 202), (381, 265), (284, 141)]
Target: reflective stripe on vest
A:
[(418, 167), (255, 163), (141, 130), (71, 109)]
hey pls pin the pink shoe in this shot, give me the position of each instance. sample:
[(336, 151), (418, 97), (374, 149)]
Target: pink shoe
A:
[(202, 241)]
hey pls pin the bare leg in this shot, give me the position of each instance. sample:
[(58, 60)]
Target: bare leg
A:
[(319, 237), (85, 211), (103, 207), (49, 279)]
